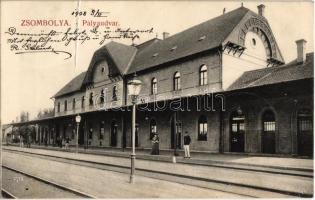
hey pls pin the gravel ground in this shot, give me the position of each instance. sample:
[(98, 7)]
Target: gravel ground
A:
[(23, 186)]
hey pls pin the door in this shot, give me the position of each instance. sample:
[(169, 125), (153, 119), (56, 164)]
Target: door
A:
[(269, 132), (113, 134), (237, 132), (136, 134), (305, 133)]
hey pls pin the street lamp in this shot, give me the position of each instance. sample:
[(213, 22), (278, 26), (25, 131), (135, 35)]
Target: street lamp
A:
[(134, 87), (78, 120)]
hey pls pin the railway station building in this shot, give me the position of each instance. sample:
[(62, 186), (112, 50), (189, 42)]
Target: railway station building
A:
[(224, 81)]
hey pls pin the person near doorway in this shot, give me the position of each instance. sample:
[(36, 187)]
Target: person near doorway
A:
[(67, 142), (187, 141), (155, 145)]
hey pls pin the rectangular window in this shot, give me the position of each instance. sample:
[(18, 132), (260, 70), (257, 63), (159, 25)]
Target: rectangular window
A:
[(73, 104), (82, 102), (305, 125), (66, 105), (58, 107)]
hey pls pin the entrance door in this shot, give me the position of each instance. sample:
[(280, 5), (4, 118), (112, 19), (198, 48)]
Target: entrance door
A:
[(269, 132), (237, 132), (81, 134), (305, 133), (113, 134)]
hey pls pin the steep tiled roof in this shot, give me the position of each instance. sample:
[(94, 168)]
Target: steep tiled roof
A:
[(118, 54), (72, 86), (204, 36), (289, 72)]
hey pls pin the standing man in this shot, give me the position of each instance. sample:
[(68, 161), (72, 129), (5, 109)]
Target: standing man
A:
[(187, 141)]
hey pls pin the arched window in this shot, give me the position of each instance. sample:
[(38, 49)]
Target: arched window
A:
[(202, 128), (269, 121), (203, 76), (177, 81), (82, 102), (58, 107), (154, 86), (153, 128), (91, 99), (73, 103), (66, 105), (102, 96), (115, 93)]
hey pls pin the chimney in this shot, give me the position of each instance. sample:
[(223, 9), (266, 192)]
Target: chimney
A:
[(301, 54), (261, 10), (165, 35)]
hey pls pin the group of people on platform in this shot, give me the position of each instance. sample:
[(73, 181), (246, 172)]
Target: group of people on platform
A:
[(25, 140), (64, 142), (156, 149)]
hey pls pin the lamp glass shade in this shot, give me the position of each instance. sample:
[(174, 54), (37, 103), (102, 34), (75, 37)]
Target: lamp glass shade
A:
[(78, 118), (134, 87)]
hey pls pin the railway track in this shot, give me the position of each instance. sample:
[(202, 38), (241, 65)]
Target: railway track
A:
[(234, 188), (19, 184)]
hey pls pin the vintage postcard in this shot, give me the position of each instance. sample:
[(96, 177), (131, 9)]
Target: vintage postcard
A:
[(157, 99)]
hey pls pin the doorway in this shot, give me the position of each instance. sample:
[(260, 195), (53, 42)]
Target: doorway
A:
[(113, 134), (269, 132), (237, 128), (305, 132)]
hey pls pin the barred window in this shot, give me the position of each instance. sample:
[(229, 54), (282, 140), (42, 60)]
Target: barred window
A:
[(269, 122)]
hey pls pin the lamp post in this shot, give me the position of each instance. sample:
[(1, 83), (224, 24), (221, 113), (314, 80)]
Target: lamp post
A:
[(134, 87), (78, 120)]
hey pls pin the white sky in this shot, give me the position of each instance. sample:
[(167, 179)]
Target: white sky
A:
[(28, 81)]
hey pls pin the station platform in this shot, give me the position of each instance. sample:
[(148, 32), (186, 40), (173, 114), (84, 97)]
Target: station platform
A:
[(262, 176), (197, 158)]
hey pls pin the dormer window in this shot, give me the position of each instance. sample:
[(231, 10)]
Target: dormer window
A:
[(155, 55), (202, 38), (173, 48)]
